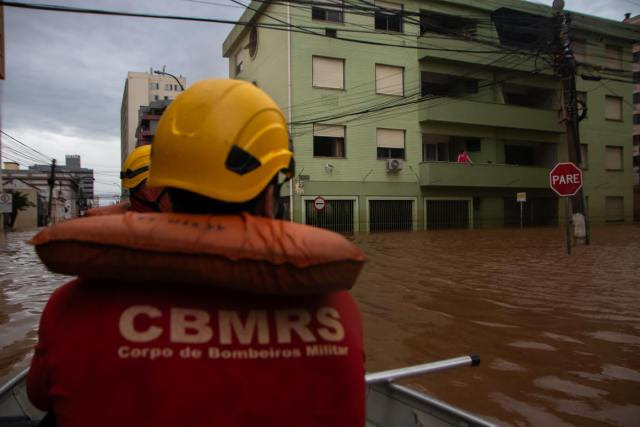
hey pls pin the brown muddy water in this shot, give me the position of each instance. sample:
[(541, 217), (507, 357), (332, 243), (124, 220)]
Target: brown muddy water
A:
[(558, 334)]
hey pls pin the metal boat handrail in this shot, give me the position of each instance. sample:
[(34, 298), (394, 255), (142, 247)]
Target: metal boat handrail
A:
[(425, 368), (13, 381)]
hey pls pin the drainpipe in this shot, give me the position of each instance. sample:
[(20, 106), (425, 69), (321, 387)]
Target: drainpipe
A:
[(289, 102)]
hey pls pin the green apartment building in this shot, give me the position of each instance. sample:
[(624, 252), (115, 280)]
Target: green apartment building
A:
[(381, 97)]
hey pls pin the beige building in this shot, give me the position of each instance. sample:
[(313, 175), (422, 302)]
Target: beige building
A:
[(67, 201), (142, 89)]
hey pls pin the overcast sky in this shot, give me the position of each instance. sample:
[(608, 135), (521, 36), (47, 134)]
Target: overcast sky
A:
[(65, 72)]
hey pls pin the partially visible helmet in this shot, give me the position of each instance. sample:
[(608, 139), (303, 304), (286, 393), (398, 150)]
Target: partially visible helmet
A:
[(136, 167), (223, 139)]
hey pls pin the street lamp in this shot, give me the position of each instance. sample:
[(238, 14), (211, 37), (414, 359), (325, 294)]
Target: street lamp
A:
[(168, 74)]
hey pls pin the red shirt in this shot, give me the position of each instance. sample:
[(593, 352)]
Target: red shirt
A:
[(115, 355), (464, 157)]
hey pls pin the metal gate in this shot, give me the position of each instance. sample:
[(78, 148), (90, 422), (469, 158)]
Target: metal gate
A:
[(390, 215), (336, 216), (443, 214)]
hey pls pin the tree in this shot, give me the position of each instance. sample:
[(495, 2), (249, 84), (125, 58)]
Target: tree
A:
[(20, 202)]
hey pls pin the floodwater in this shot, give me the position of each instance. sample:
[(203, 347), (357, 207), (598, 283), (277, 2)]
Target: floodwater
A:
[(558, 334)]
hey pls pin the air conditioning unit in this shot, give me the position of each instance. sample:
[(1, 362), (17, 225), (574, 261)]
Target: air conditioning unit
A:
[(394, 165)]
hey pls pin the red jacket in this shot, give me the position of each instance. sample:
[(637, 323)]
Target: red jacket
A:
[(116, 355)]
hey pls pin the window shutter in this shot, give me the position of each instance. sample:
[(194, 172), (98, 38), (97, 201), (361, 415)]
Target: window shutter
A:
[(330, 131), (328, 72), (613, 108), (390, 138), (389, 80), (613, 158)]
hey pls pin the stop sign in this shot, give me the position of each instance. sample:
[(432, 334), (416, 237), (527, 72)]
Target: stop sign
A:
[(565, 179)]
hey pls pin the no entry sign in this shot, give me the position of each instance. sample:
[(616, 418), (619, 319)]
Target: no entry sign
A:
[(319, 203), (565, 179), (6, 202)]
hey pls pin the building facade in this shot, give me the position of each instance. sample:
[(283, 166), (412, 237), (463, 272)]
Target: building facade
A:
[(142, 89), (149, 116), (378, 124), (72, 191), (636, 122)]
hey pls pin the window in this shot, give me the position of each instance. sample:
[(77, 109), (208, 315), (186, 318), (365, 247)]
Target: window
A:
[(582, 104), (389, 80), (328, 72), (328, 13), (579, 50), (529, 96), (167, 87), (613, 108), (166, 97), (613, 57), (156, 97), (447, 24), (435, 148), (636, 98), (636, 57), (613, 158), (331, 32), (253, 42), (614, 208), (584, 156), (388, 16), (636, 119), (522, 155), (447, 85), (521, 29), (241, 60), (636, 77), (328, 141), (473, 145), (390, 143), (239, 67)]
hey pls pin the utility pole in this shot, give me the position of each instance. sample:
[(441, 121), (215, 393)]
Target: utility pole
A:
[(52, 183), (565, 65)]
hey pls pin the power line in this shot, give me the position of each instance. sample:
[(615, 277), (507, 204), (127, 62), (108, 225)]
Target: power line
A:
[(44, 156), (230, 22)]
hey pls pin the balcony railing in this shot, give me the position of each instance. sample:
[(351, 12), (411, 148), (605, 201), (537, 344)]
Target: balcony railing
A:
[(457, 110), (444, 174)]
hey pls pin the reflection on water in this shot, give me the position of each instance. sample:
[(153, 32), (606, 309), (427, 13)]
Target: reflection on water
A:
[(559, 335), (25, 286)]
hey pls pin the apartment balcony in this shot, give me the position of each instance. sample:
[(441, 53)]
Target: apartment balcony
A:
[(461, 111), (460, 50), (445, 174)]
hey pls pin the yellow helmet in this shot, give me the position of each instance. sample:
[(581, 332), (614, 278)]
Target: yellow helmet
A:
[(136, 167), (223, 139)]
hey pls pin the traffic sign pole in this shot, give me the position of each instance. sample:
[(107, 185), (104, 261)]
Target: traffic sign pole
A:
[(566, 180), (568, 221)]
